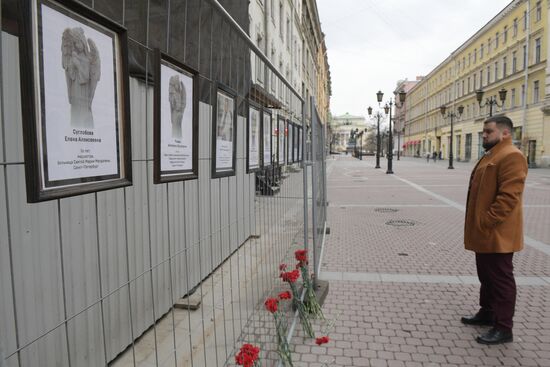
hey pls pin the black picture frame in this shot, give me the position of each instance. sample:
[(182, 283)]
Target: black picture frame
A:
[(267, 131), (78, 140), (228, 94), (300, 144), (176, 142), (253, 107), (281, 131), (290, 142)]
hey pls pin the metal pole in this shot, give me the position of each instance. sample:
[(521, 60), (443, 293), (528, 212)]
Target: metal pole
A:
[(390, 157), (377, 140), (451, 144), (398, 143)]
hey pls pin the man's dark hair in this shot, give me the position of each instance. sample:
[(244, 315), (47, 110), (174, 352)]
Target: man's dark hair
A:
[(503, 122)]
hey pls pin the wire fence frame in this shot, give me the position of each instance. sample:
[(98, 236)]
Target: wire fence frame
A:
[(278, 224)]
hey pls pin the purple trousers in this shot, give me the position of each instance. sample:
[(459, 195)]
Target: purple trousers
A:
[(497, 295)]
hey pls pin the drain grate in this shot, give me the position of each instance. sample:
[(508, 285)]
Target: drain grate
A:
[(401, 223), (386, 210)]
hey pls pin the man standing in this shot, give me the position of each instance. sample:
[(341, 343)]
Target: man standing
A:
[(493, 227)]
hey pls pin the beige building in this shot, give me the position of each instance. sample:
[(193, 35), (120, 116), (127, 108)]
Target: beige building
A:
[(341, 127), (509, 52)]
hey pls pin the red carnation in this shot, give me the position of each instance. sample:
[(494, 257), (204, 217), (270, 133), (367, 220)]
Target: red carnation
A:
[(322, 340), (282, 267), (247, 356), (301, 255), (291, 276), (271, 304), (285, 295)]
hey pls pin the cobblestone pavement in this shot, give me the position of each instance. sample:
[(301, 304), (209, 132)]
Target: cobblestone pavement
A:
[(400, 278)]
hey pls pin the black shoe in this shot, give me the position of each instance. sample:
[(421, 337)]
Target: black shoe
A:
[(477, 319), (495, 336)]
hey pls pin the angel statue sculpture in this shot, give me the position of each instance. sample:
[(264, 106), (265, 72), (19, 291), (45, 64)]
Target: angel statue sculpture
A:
[(82, 65), (177, 96)]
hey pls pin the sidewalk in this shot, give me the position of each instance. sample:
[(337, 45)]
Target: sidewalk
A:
[(400, 279)]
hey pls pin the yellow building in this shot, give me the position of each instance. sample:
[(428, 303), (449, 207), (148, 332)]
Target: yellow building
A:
[(509, 52)]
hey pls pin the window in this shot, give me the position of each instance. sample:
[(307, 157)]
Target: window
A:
[(469, 59), (480, 79), (515, 27), (524, 19), (463, 90), (496, 71), (513, 98), (514, 62), (287, 32), (488, 75), (496, 40), (489, 46), (524, 56), (468, 90), (537, 50), (475, 55), (463, 62), (523, 94), (281, 20), (475, 81), (538, 12), (505, 34), (481, 52), (504, 67), (535, 91)]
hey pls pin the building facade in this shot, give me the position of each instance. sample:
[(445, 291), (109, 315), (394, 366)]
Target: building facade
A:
[(400, 114), (289, 33), (341, 128), (509, 52)]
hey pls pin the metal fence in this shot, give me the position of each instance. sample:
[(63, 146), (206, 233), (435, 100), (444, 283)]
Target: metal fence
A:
[(318, 179), (113, 277)]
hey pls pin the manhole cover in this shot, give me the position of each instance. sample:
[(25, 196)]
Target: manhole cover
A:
[(401, 223), (386, 210)]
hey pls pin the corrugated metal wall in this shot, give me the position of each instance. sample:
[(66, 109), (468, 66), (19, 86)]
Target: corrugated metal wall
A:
[(78, 275)]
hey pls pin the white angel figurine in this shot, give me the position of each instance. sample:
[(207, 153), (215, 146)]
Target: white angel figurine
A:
[(177, 97), (82, 65)]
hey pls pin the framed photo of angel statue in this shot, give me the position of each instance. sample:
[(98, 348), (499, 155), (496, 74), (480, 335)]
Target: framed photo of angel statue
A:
[(253, 143), (175, 131), (267, 135), (74, 88), (224, 132)]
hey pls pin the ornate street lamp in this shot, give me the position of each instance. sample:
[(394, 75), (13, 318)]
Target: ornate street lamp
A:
[(451, 115), (378, 116), (491, 100), (388, 109)]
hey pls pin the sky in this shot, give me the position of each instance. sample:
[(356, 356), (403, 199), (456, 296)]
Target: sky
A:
[(374, 43)]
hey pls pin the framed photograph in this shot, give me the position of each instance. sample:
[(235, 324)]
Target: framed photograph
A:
[(175, 131), (290, 142), (267, 133), (296, 143), (224, 132), (281, 132), (253, 138), (300, 145), (74, 88)]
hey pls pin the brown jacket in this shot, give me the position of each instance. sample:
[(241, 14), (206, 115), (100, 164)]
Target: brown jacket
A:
[(494, 215)]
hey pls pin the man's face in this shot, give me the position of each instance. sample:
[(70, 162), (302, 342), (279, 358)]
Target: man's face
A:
[(492, 135)]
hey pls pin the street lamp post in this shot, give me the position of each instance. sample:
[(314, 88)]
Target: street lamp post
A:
[(387, 109), (491, 100), (378, 117), (451, 115)]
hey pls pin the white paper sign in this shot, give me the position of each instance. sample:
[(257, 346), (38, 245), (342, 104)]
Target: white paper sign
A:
[(176, 128), (253, 138), (267, 139), (224, 132), (80, 115)]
